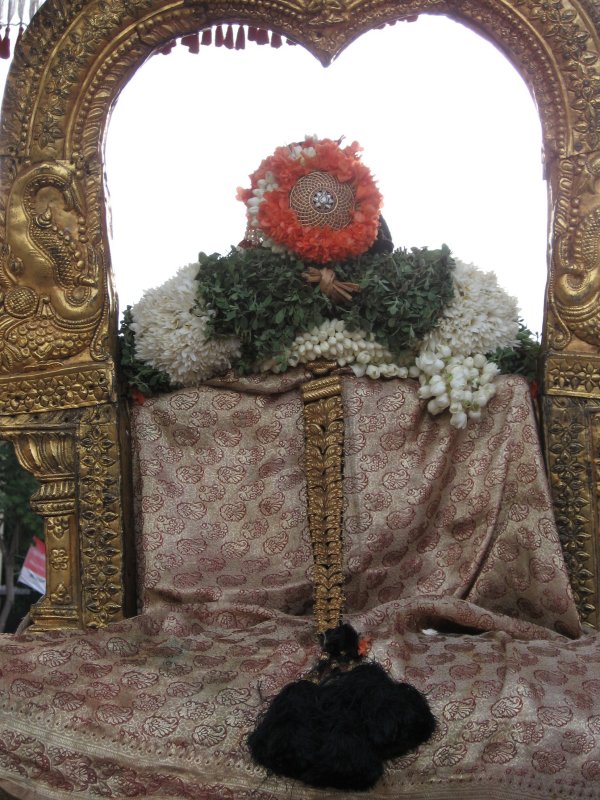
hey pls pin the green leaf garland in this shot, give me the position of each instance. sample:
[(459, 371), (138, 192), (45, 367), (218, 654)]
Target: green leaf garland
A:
[(523, 359), (263, 299), (402, 294)]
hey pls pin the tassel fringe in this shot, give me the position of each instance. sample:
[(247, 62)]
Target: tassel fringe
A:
[(232, 40), (192, 42), (5, 44), (15, 14), (240, 41), (167, 48)]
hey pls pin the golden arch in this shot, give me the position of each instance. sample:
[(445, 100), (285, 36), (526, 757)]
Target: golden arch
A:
[(59, 391)]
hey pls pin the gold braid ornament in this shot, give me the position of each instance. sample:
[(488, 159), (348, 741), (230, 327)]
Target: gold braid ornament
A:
[(324, 435)]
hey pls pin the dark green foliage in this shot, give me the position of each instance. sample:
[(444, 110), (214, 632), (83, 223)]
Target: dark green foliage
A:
[(263, 299), (16, 488), (522, 359), (136, 373), (19, 526), (402, 294)]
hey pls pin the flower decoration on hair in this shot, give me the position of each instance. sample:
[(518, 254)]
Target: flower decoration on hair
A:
[(315, 199)]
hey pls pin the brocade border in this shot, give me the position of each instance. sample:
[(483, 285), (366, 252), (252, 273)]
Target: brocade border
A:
[(324, 437)]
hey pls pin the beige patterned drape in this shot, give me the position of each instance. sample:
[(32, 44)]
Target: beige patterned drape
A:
[(445, 531)]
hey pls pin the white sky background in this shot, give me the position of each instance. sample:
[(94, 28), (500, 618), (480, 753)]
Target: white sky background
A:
[(448, 128)]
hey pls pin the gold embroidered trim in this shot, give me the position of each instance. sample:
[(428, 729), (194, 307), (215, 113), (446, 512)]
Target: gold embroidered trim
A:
[(324, 435)]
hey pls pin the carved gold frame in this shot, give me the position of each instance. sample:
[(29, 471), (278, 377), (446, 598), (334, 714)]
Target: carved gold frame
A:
[(59, 393)]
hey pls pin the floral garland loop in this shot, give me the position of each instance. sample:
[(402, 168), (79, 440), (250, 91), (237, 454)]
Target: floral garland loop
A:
[(273, 222), (381, 313), (454, 363)]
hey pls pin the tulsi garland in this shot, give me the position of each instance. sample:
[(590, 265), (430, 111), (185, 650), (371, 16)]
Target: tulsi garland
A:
[(415, 314), (265, 301)]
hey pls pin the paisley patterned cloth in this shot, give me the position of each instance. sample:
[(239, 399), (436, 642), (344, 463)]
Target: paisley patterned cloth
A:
[(453, 568)]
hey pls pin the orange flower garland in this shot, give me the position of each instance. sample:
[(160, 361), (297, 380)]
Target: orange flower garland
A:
[(274, 223)]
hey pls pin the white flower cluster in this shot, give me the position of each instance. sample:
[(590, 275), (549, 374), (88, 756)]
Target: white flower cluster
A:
[(463, 384), (333, 341), (263, 185), (170, 338), (451, 366), (297, 152), (269, 184), (480, 318)]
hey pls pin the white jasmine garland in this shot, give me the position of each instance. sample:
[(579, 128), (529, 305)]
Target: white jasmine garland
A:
[(462, 384), (450, 364), (266, 184), (333, 341), (173, 340), (481, 318)]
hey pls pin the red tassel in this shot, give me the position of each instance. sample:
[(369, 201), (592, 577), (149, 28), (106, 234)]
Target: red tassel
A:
[(252, 33), (240, 41), (228, 40), (137, 396), (276, 40), (5, 45), (192, 42), (262, 36), (534, 389), (20, 36), (166, 49), (206, 37), (219, 38)]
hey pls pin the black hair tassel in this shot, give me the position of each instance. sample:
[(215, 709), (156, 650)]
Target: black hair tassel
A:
[(337, 729)]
